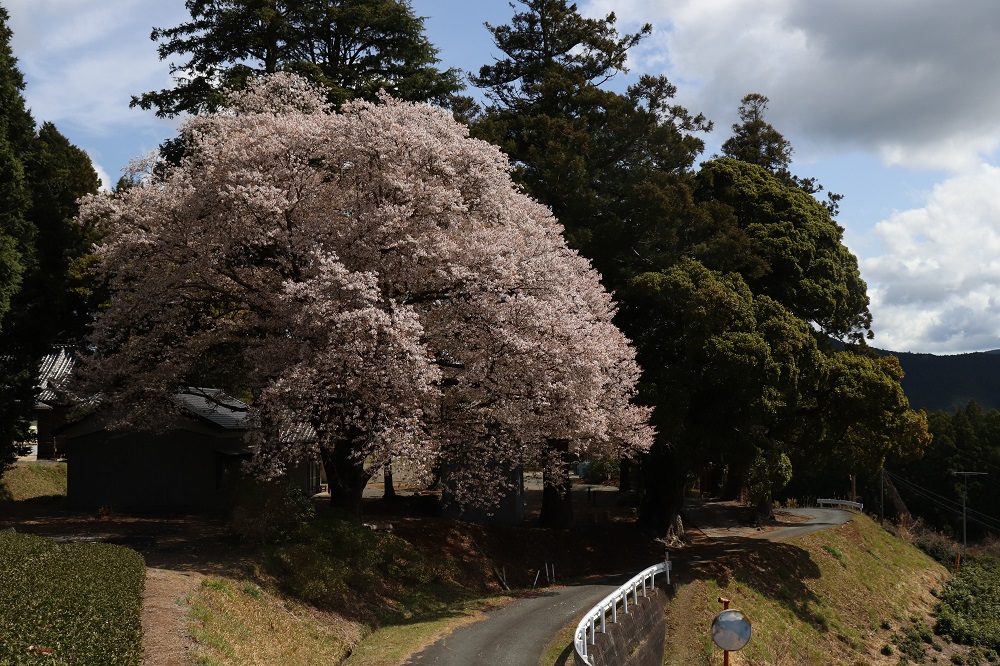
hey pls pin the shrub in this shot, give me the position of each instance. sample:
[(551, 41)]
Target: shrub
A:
[(967, 608), (264, 511), (334, 558), (602, 469), (69, 604)]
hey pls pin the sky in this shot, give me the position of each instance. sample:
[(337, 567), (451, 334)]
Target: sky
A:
[(895, 104)]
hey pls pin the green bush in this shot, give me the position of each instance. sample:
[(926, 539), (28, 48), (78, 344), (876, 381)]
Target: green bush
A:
[(967, 608), (264, 511), (335, 558), (602, 469), (69, 604), (937, 545)]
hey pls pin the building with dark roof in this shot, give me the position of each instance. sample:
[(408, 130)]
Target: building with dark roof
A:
[(55, 369), (179, 467)]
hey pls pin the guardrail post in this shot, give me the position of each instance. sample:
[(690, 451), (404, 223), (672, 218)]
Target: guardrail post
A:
[(604, 613), (644, 595), (593, 637)]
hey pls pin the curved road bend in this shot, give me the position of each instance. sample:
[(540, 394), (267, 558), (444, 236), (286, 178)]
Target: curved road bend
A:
[(517, 633)]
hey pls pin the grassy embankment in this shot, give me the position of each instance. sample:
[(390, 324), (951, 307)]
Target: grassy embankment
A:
[(33, 481), (336, 589), (852, 595)]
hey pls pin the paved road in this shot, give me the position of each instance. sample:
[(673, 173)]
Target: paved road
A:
[(516, 634), (821, 519)]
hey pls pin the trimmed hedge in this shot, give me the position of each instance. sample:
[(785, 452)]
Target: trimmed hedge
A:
[(69, 604)]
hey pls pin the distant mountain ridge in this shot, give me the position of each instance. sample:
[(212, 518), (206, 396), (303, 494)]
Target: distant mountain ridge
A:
[(950, 382)]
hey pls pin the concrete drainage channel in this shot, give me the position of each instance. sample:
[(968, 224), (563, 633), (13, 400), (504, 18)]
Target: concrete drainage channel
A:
[(627, 627)]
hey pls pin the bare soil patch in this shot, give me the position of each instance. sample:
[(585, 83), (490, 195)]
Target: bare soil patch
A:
[(164, 616)]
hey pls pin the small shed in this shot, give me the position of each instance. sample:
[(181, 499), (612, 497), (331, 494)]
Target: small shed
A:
[(178, 468)]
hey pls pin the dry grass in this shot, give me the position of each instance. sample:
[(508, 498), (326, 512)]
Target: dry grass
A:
[(236, 622), (834, 597), (32, 480), (393, 644)]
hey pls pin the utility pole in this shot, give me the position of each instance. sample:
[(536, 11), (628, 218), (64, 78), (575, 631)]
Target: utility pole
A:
[(965, 492)]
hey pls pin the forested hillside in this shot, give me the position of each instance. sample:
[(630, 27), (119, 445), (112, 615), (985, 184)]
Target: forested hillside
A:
[(934, 382)]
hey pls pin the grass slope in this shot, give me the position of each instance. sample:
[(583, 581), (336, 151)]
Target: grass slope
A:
[(850, 595), (32, 480), (237, 622)]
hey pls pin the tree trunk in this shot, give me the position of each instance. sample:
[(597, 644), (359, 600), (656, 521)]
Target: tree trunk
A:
[(624, 475), (557, 496), (346, 476), (390, 489), (662, 495)]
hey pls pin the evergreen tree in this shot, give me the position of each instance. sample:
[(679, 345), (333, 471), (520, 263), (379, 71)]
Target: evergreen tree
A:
[(611, 166), (756, 141), (54, 299), (41, 177), (16, 126), (16, 246), (615, 168), (354, 48)]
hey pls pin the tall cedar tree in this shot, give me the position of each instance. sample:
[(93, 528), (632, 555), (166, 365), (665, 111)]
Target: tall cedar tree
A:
[(41, 176), (16, 236), (756, 141), (613, 167), (353, 48)]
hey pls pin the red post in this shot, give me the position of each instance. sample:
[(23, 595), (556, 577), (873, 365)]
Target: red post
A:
[(725, 653)]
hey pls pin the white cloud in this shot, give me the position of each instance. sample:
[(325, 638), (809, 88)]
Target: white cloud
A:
[(936, 287), (916, 81), (84, 59), (913, 83), (102, 174)]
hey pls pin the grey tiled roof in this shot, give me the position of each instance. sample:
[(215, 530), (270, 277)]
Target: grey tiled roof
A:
[(213, 405), (55, 368)]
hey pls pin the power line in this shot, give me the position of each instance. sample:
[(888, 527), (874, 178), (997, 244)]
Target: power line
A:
[(977, 517)]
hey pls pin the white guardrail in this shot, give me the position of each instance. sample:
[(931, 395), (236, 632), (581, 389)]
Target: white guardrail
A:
[(597, 617), (857, 506)]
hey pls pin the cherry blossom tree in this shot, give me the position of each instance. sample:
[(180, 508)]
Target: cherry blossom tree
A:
[(372, 274)]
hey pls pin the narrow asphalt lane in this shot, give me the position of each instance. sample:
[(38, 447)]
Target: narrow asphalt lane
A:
[(516, 634)]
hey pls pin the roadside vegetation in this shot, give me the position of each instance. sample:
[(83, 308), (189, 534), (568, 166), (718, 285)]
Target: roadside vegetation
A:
[(237, 622), (33, 480), (69, 604), (969, 609), (851, 595), (319, 587)]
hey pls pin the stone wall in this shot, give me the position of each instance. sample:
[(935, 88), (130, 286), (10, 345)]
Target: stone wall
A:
[(637, 639)]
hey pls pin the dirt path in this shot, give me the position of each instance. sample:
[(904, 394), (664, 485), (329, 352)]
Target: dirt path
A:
[(164, 616)]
